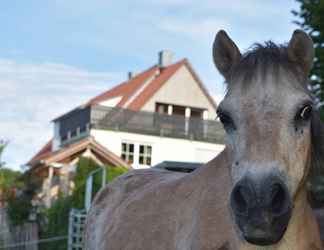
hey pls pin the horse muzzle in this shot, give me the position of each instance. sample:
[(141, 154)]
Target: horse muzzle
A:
[(262, 209)]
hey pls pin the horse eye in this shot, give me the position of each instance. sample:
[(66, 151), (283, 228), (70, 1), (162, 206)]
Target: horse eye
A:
[(304, 114), (226, 120)]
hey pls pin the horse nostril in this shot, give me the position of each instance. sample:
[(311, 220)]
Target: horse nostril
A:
[(239, 199), (278, 199)]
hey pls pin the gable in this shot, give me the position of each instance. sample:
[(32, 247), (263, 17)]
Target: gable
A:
[(184, 89)]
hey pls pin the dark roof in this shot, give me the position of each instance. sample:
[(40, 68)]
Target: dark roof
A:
[(179, 166)]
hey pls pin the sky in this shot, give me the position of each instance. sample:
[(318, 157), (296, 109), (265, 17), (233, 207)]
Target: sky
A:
[(56, 54)]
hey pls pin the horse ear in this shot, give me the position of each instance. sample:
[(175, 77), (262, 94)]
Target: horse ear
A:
[(301, 50), (225, 53), (317, 164)]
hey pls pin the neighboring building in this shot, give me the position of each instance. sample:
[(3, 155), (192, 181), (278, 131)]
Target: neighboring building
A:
[(162, 114)]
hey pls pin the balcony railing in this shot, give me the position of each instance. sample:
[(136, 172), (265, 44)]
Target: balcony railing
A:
[(174, 126)]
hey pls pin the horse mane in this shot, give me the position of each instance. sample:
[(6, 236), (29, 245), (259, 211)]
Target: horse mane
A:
[(262, 58), (317, 160)]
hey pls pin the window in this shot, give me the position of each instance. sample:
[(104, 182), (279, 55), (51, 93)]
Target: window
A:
[(128, 152), (83, 129), (74, 133), (64, 137), (145, 155)]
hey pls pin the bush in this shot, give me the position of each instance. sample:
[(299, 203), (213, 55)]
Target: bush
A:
[(20, 206), (8, 179), (84, 168), (56, 223)]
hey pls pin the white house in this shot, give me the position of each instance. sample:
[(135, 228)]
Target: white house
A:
[(161, 114)]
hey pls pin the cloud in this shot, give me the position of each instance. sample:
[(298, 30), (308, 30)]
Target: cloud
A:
[(33, 94), (194, 29)]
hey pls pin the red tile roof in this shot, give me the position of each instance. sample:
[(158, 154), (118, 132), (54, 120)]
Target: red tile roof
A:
[(125, 89), (46, 150), (157, 77), (155, 85)]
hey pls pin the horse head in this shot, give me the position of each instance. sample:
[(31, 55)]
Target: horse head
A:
[(274, 136)]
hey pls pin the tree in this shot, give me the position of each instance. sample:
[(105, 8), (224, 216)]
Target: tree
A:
[(8, 179), (20, 206), (3, 144), (311, 15)]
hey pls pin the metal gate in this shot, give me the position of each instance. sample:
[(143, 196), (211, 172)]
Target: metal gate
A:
[(77, 217), (76, 229)]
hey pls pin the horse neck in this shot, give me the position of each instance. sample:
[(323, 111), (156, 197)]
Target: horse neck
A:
[(302, 232)]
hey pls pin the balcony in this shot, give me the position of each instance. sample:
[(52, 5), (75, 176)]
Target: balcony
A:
[(148, 123)]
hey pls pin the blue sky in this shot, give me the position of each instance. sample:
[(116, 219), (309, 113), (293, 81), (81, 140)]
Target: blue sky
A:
[(56, 54)]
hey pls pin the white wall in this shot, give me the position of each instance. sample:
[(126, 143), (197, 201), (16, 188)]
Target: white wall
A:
[(56, 138), (181, 89), (163, 148), (112, 102)]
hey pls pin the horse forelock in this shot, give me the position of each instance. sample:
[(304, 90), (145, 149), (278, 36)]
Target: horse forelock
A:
[(264, 59)]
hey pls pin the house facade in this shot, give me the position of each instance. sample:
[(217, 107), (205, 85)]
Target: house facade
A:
[(164, 113)]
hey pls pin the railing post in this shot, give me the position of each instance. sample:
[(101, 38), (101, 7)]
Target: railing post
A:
[(88, 195), (89, 186)]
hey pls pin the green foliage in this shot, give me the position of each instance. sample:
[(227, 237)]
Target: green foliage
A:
[(19, 210), (312, 21), (9, 179), (56, 223), (114, 172), (20, 207), (84, 168)]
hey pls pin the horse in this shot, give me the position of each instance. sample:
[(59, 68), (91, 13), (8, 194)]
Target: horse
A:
[(253, 195)]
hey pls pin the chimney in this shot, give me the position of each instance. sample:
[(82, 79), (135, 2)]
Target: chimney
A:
[(130, 75), (165, 58)]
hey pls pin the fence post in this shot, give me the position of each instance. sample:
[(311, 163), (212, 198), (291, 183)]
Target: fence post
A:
[(70, 236)]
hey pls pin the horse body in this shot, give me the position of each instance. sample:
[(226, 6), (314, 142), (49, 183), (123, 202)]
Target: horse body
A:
[(161, 210), (253, 195)]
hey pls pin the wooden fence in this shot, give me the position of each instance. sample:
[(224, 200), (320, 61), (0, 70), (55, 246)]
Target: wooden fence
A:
[(17, 237)]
